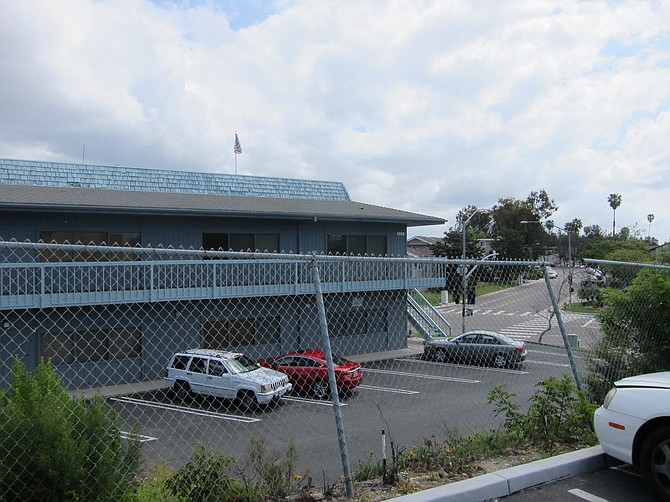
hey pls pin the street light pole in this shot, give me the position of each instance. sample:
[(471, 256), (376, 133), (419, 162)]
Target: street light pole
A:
[(464, 283)]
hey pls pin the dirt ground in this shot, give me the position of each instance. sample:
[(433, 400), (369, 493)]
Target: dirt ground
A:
[(374, 491)]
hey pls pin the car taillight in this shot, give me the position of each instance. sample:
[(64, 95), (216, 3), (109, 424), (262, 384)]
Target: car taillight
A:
[(519, 349)]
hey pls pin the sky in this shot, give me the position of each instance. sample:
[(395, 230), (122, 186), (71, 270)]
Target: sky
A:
[(425, 106)]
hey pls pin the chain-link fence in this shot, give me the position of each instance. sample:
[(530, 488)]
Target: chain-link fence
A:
[(119, 322)]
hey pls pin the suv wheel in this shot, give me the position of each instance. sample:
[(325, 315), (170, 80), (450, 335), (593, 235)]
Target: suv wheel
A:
[(182, 390), (247, 400), (655, 461)]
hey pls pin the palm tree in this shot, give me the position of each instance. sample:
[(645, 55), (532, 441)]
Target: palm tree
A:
[(650, 218), (615, 201)]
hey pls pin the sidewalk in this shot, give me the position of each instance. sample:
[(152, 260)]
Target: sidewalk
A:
[(515, 479)]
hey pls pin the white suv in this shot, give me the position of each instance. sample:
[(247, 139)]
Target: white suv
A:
[(229, 375)]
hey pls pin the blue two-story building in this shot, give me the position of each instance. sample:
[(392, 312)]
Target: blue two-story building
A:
[(107, 270)]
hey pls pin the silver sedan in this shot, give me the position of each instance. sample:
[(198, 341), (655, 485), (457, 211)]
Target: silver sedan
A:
[(477, 347)]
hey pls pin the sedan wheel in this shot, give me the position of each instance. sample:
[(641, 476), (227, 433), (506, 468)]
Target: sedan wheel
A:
[(441, 356), (500, 361), (320, 389), (655, 461)]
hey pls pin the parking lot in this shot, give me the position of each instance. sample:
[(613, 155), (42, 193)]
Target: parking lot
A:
[(411, 399)]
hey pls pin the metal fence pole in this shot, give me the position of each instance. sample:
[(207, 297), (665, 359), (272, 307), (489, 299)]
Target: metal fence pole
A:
[(561, 327), (339, 424)]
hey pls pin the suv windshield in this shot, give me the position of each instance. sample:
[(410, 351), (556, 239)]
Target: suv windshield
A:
[(237, 367), (247, 362)]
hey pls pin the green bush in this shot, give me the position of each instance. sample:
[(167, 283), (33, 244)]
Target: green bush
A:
[(558, 414), (55, 447), (206, 478)]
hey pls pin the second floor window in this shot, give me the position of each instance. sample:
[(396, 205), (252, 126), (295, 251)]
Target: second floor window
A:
[(356, 245)]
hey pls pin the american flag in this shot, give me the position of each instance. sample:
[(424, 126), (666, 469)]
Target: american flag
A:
[(237, 148)]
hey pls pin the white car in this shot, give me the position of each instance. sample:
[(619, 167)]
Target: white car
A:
[(633, 425), (229, 375), (552, 273)]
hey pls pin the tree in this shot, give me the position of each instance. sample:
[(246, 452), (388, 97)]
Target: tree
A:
[(56, 447), (650, 218), (636, 332), (614, 200), (481, 221), (514, 240)]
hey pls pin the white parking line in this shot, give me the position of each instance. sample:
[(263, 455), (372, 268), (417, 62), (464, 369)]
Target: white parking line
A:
[(184, 409), (419, 375), (319, 402), (387, 389), (545, 363), (143, 439), (586, 495), (452, 365), (587, 323)]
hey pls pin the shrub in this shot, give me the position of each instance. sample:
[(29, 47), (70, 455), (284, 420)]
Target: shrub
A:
[(558, 414), (205, 478), (55, 447)]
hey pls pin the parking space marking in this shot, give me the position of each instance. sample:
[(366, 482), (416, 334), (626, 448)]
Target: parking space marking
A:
[(452, 365), (546, 363), (388, 389), (143, 439), (419, 375), (586, 495), (319, 402), (184, 409)]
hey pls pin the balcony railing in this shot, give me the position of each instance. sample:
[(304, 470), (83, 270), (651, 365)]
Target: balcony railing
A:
[(47, 284)]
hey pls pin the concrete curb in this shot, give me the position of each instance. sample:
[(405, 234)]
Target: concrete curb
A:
[(508, 481)]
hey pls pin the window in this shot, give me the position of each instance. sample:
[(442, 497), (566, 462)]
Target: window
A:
[(180, 362), (91, 346), (357, 322), (57, 348), (216, 368), (241, 332), (96, 238), (198, 365), (241, 242), (355, 245), (215, 335)]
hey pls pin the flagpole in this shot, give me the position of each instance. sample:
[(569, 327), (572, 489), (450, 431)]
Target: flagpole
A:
[(235, 163)]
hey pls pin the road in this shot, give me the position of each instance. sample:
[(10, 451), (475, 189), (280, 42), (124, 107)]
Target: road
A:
[(412, 400)]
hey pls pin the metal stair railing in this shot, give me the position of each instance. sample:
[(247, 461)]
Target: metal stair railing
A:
[(426, 319)]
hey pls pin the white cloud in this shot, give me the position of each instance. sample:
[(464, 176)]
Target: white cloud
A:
[(426, 106)]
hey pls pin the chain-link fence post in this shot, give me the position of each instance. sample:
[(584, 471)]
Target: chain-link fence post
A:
[(561, 327), (331, 377)]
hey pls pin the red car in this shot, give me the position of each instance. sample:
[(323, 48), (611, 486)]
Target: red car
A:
[(307, 370)]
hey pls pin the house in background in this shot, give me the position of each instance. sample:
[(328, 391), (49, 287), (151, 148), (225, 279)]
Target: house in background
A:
[(109, 317), (419, 246)]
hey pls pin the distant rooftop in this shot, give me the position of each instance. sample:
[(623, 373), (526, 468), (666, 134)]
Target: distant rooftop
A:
[(55, 174)]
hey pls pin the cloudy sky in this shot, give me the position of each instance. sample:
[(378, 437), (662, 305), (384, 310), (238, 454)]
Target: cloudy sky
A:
[(426, 106)]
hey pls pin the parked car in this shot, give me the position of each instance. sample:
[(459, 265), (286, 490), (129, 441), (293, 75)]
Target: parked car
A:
[(552, 273), (308, 371), (593, 276), (633, 425), (477, 347), (228, 375)]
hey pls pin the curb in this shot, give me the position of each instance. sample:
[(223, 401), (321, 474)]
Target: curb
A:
[(514, 479)]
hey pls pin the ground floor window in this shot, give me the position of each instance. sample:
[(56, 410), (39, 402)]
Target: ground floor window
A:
[(225, 334), (357, 322), (91, 345)]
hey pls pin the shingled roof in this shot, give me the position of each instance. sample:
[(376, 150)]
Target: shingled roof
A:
[(308, 200)]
